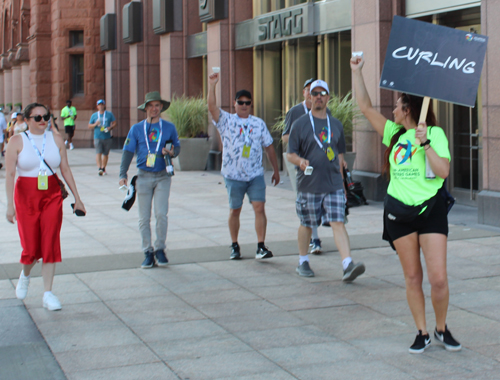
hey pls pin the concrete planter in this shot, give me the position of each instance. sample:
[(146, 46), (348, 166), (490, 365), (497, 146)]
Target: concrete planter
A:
[(194, 154)]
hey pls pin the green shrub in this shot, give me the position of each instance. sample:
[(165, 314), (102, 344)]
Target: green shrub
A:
[(189, 115)]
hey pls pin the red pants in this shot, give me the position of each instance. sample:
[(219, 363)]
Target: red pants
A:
[(39, 219)]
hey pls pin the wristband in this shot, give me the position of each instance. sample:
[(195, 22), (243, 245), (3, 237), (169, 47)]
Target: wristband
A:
[(425, 143)]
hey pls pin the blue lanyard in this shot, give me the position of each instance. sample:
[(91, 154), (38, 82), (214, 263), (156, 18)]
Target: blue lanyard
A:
[(314, 131), (40, 155), (146, 137)]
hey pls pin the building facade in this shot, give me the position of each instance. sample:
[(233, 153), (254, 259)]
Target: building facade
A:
[(51, 53), (268, 46)]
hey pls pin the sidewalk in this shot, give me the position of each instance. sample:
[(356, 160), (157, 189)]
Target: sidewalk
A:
[(205, 317)]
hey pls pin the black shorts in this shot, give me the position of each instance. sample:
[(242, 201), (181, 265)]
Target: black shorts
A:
[(435, 223), (70, 130)]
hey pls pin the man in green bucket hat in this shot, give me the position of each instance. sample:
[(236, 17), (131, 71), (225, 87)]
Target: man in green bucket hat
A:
[(151, 140)]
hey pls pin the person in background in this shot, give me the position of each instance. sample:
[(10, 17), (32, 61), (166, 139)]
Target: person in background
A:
[(68, 114), (406, 164), (35, 199), (102, 122), (3, 131), (20, 125)]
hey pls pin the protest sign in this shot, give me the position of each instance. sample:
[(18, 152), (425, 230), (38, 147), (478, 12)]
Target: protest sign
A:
[(433, 61)]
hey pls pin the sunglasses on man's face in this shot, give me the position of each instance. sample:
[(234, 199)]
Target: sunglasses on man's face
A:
[(316, 93), (38, 118), (241, 102)]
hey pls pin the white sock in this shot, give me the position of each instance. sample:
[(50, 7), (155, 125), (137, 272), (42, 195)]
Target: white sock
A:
[(315, 233), (303, 258), (346, 262)]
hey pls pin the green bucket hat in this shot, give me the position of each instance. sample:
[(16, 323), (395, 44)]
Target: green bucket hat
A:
[(151, 97)]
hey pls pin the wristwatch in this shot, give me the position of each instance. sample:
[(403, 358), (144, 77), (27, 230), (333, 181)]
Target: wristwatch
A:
[(425, 143)]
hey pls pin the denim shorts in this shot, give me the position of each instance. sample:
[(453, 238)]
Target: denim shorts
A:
[(256, 190), (315, 209)]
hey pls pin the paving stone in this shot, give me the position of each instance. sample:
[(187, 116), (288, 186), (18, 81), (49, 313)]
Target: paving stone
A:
[(151, 371)]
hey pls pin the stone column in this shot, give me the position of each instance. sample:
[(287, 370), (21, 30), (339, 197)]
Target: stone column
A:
[(144, 65), (117, 77), (8, 88), (17, 87), (371, 26), (171, 65), (489, 197), (2, 95), (25, 84)]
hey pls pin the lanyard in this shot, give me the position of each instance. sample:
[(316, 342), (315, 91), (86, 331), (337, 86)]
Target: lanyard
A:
[(146, 137), (40, 155), (244, 131), (103, 122), (306, 110), (314, 131)]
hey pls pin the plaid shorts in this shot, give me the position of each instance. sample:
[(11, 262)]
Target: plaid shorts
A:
[(315, 209)]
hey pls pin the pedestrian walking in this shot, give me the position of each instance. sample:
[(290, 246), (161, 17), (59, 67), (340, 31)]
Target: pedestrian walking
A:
[(293, 114), (316, 146), (102, 122), (243, 137), (409, 189), (68, 114), (20, 126), (3, 132), (151, 139), (36, 201)]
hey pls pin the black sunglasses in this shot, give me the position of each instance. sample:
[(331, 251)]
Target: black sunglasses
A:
[(316, 93), (241, 102), (38, 118)]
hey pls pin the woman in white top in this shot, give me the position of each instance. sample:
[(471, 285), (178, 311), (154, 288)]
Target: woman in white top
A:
[(36, 202), (20, 125)]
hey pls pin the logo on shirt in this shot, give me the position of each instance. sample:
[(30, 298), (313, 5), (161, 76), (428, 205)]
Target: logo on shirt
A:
[(154, 135), (323, 136), (404, 153), (127, 141)]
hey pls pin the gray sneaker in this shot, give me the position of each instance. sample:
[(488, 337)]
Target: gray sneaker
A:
[(305, 270), (353, 271)]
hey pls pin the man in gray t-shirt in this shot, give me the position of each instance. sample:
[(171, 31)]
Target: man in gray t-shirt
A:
[(316, 146)]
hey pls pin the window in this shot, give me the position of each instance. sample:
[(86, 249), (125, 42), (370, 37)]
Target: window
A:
[(77, 74), (76, 38)]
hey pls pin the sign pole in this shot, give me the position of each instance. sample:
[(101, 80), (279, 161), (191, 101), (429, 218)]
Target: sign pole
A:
[(423, 114)]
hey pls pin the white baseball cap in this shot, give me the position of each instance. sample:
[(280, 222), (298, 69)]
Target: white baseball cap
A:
[(319, 83)]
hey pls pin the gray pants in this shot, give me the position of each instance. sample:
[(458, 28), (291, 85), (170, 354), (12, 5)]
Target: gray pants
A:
[(153, 186)]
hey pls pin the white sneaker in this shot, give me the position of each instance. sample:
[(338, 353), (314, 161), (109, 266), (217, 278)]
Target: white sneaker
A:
[(51, 302), (22, 286), (66, 142), (71, 147)]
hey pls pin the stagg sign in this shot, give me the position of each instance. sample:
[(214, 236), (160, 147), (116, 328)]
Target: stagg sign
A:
[(276, 26), (432, 60), (289, 23)]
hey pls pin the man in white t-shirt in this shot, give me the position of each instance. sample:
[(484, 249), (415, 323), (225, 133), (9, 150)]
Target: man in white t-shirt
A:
[(243, 137)]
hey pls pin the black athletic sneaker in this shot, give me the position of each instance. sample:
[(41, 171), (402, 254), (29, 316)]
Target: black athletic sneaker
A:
[(161, 258), (263, 253), (447, 340), (420, 344), (235, 252)]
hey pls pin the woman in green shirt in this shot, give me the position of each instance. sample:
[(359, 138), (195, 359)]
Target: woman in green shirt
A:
[(409, 188)]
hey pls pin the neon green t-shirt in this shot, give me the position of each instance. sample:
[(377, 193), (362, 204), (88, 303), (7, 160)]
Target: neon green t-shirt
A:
[(68, 111), (407, 164)]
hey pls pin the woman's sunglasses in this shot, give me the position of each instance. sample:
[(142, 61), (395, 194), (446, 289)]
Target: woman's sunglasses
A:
[(241, 102), (38, 118)]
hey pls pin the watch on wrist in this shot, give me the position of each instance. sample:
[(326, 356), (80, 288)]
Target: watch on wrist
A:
[(425, 143)]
